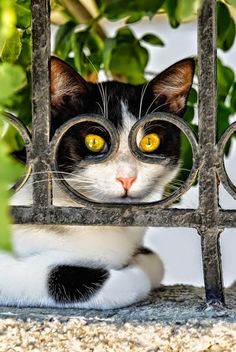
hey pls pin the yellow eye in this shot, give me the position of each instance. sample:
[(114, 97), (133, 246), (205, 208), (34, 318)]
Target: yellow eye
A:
[(94, 143), (149, 143)]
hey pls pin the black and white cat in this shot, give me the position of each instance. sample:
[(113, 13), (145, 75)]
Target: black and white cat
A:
[(98, 267)]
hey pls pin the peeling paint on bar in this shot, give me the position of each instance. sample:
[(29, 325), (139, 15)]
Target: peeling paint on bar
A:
[(209, 219)]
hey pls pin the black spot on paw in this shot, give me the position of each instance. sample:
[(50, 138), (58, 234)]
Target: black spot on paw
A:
[(68, 284)]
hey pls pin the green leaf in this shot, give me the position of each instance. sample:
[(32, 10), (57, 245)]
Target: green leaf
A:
[(223, 113), (152, 39), (88, 49), (7, 19), (125, 34), (12, 79), (26, 51), (77, 43), (63, 39), (189, 113), (136, 17), (233, 98), (23, 12), (109, 46), (186, 9), (225, 78), (231, 2), (10, 49), (149, 7), (12, 139), (129, 60), (225, 27), (229, 39), (192, 98), (9, 172), (117, 9), (170, 7)]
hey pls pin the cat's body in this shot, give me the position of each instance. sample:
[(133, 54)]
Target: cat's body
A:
[(97, 267)]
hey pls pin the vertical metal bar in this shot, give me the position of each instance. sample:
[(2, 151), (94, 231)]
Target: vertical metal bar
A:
[(212, 266), (41, 102), (208, 184)]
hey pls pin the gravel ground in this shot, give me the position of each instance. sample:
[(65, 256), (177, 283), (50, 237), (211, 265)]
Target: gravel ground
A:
[(76, 335), (172, 319)]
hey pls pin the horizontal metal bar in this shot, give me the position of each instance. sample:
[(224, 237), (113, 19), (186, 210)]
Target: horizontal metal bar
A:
[(227, 218), (130, 216)]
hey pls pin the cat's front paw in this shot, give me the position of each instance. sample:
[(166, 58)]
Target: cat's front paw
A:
[(151, 264)]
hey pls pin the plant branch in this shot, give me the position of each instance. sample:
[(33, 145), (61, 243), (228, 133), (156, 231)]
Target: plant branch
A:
[(82, 15)]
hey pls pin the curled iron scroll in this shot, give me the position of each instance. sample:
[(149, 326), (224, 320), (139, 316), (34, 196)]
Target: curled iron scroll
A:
[(227, 183), (26, 136), (63, 184), (105, 123)]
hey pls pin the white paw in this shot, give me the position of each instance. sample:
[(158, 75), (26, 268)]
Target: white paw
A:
[(152, 265)]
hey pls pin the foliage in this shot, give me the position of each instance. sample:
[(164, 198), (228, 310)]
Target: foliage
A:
[(12, 80), (83, 43)]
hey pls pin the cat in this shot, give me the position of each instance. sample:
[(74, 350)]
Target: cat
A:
[(92, 266)]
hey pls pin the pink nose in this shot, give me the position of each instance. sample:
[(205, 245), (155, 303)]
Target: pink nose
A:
[(126, 181)]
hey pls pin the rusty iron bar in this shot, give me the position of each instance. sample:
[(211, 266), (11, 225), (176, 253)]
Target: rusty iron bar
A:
[(128, 216), (42, 194), (208, 182)]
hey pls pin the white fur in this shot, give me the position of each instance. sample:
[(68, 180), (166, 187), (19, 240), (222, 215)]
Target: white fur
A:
[(23, 278)]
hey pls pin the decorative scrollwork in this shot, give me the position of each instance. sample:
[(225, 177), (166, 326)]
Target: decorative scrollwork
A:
[(26, 136), (225, 180), (64, 185)]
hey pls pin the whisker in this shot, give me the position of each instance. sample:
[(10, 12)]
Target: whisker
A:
[(141, 98), (101, 89), (158, 107), (48, 172), (152, 103), (100, 107), (29, 184)]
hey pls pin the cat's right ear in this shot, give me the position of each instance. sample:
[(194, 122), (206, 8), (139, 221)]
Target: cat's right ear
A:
[(65, 82)]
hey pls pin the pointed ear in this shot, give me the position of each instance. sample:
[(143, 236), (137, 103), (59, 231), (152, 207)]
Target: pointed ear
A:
[(65, 82), (171, 87)]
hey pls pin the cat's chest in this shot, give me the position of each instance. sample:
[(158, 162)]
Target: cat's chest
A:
[(110, 246)]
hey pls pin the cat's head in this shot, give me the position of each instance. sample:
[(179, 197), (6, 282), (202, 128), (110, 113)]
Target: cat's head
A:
[(123, 178)]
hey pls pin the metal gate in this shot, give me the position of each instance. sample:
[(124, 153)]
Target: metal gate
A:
[(209, 219)]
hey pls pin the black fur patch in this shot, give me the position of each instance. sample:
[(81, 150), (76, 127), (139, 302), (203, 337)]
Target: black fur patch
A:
[(67, 284), (143, 250)]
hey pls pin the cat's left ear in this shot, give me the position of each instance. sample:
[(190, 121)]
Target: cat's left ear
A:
[(171, 87), (65, 82)]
